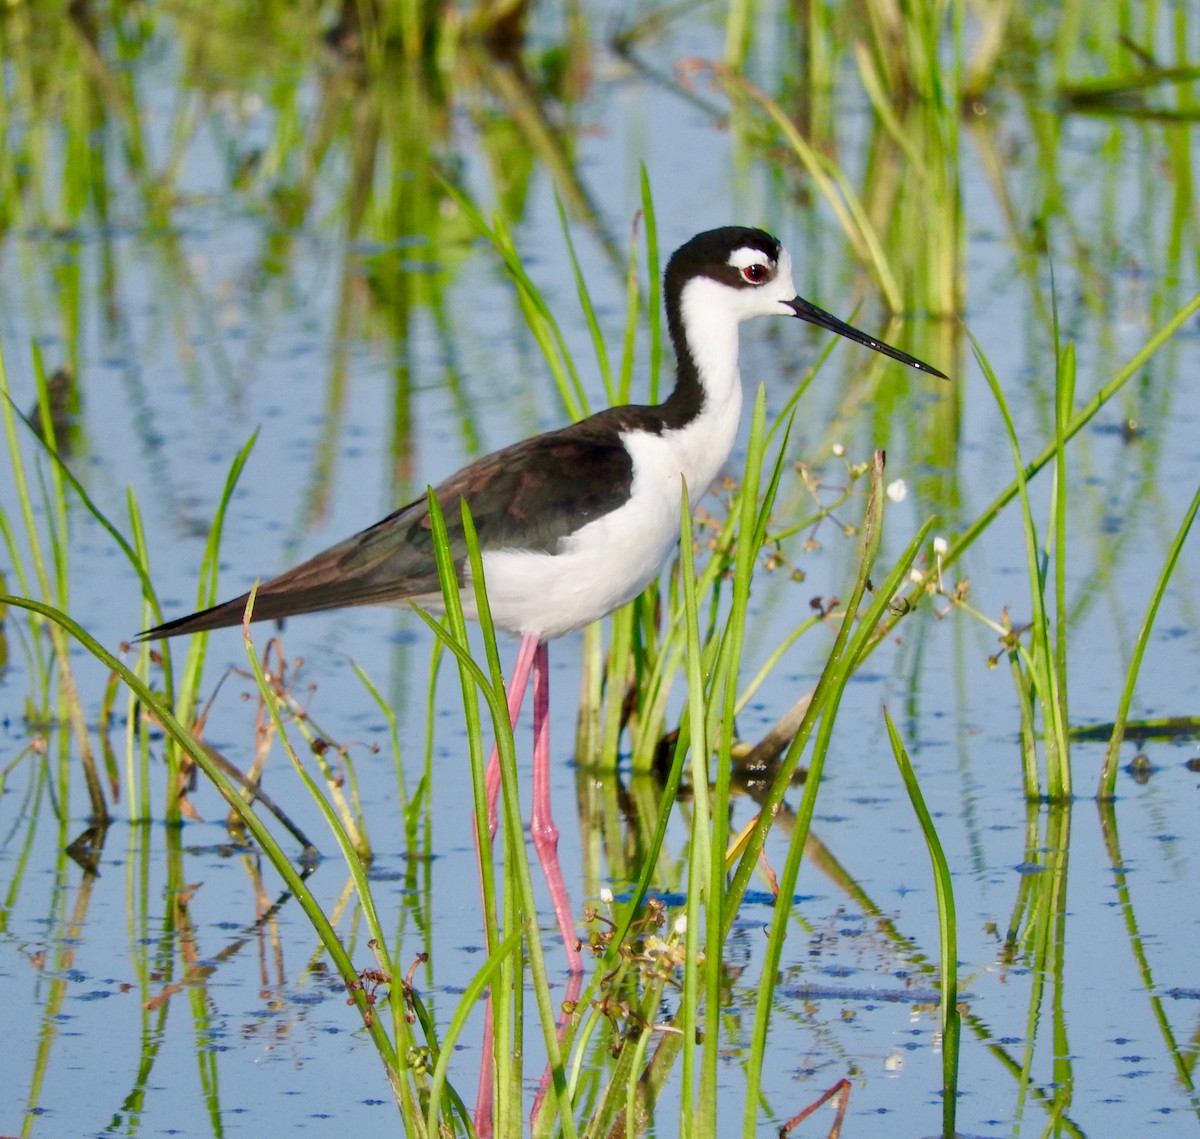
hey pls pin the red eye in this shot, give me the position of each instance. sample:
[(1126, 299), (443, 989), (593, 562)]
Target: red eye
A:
[(756, 274)]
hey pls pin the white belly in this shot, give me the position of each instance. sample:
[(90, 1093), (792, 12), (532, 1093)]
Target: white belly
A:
[(602, 566), (599, 568)]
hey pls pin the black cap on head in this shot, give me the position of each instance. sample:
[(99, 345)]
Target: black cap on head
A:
[(707, 254)]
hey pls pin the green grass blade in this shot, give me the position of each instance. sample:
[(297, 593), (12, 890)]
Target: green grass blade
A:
[(654, 288), (947, 927), (466, 1006), (701, 903), (1060, 719), (633, 299), (1041, 657), (585, 303), (540, 319), (1108, 774)]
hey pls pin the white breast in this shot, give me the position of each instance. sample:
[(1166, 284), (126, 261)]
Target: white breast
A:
[(610, 561)]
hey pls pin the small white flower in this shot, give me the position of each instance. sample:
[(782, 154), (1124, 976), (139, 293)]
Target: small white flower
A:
[(940, 546), (894, 1063), (655, 946), (897, 491), (606, 895), (839, 450), (680, 926)]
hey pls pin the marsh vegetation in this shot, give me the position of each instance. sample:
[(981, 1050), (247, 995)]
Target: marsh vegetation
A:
[(886, 788)]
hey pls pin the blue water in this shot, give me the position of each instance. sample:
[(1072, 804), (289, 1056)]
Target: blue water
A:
[(194, 346)]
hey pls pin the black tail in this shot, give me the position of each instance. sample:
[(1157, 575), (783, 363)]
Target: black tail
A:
[(222, 616), (378, 566)]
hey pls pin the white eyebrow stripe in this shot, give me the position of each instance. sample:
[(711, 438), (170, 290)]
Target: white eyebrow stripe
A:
[(748, 255)]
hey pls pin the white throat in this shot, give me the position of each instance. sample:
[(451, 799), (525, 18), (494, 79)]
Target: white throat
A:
[(710, 326)]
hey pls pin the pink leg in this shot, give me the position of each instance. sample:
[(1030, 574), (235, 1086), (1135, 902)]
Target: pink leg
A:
[(531, 655), (541, 822), (484, 1100), (484, 1104), (516, 695)]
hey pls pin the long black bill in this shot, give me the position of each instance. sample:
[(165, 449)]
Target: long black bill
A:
[(805, 310)]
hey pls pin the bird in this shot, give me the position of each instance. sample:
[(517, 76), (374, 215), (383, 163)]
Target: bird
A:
[(575, 522)]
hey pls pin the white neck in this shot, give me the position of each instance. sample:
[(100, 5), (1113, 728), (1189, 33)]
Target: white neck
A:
[(711, 330)]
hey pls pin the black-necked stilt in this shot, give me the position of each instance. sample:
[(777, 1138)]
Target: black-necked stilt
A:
[(574, 523)]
